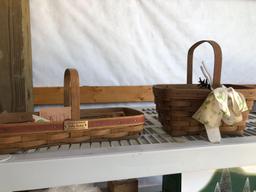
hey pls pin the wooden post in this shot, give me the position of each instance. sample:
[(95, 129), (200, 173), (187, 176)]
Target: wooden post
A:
[(15, 56), (130, 185)]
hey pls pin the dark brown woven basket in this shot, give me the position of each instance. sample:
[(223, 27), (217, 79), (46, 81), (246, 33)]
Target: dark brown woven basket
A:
[(176, 104)]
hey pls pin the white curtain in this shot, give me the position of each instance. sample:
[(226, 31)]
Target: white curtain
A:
[(136, 42)]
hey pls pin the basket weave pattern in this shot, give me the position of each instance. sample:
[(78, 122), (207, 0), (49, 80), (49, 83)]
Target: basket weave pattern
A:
[(176, 104), (103, 124)]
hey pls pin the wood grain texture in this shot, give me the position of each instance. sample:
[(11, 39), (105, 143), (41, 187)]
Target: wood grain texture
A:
[(19, 136), (72, 92), (16, 117), (130, 185), (15, 56), (98, 94), (217, 62), (176, 104), (5, 87), (95, 94)]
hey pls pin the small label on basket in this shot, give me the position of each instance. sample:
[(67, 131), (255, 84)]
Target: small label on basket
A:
[(75, 125)]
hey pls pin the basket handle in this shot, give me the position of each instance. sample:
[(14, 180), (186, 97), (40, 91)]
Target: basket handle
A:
[(217, 62), (72, 92)]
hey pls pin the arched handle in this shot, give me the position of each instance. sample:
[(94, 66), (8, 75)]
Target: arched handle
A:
[(72, 92), (217, 62)]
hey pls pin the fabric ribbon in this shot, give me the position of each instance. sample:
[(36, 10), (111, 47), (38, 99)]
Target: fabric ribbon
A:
[(222, 104)]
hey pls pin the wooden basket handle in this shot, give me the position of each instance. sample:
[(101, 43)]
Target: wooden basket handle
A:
[(217, 62), (72, 92)]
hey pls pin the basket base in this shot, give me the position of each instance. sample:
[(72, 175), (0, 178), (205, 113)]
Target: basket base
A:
[(10, 149), (235, 130)]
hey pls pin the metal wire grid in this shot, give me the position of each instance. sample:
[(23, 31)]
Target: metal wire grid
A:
[(152, 134)]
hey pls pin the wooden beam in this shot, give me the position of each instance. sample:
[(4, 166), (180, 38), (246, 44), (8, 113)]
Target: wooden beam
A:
[(15, 56), (104, 94), (97, 94)]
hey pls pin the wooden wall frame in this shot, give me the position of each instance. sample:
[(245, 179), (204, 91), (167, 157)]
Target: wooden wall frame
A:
[(95, 94), (15, 56), (17, 92)]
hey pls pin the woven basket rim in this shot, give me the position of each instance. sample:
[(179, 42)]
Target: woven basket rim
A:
[(195, 86)]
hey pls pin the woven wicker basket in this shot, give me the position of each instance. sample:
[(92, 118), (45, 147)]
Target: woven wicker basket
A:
[(16, 133), (176, 104)]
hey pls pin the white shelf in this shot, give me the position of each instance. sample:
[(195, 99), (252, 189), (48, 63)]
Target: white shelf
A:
[(154, 153)]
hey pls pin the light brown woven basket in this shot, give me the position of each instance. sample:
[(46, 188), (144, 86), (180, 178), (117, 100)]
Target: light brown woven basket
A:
[(176, 104), (19, 132)]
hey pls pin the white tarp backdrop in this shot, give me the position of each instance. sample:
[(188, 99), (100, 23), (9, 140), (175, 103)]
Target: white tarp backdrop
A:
[(136, 42)]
